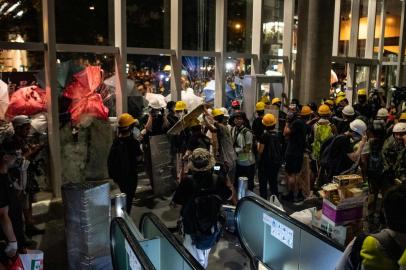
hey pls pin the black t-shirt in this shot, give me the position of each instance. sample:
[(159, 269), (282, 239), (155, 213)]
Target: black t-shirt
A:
[(297, 138), (5, 189), (257, 128), (265, 139), (198, 141), (341, 147), (191, 185)]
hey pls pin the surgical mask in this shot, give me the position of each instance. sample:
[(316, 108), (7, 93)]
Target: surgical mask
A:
[(356, 137)]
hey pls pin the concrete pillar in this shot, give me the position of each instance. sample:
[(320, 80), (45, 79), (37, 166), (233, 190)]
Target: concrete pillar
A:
[(315, 43)]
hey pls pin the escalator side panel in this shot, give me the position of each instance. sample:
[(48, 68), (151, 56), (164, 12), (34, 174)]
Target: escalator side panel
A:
[(152, 248)]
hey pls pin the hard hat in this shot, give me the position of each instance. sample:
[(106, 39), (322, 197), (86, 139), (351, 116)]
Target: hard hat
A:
[(20, 120), (276, 100), (167, 68), (341, 94), (265, 99), (348, 110), (362, 92), (329, 102), (155, 104), (324, 110), (216, 112), (382, 112), (235, 103), (399, 128), (126, 120), (402, 116), (260, 106), (358, 126), (339, 99), (268, 120), (180, 106), (225, 112), (194, 123), (306, 110)]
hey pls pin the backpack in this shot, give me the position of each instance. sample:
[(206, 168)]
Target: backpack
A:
[(321, 134), (375, 160), (275, 149), (327, 161), (202, 213), (392, 249)]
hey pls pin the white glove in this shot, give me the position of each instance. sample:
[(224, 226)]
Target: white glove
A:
[(11, 249)]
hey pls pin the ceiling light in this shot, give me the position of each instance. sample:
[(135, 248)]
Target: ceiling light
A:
[(19, 14), (91, 7), (13, 7), (3, 6)]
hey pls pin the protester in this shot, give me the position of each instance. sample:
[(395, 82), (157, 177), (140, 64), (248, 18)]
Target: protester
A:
[(362, 107), (384, 249), (242, 143), (295, 131), (343, 123), (201, 195), (257, 126), (124, 155), (391, 151), (270, 157)]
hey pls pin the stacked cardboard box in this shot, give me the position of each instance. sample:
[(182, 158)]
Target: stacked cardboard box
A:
[(343, 205)]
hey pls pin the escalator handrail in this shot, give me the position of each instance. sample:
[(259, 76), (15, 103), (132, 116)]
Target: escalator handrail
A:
[(132, 241), (193, 263), (265, 205)]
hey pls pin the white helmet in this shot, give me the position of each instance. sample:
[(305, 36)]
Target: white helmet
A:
[(383, 112), (399, 128), (348, 110), (358, 126), (226, 114)]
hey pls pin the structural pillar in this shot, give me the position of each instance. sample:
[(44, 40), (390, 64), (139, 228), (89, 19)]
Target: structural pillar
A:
[(315, 42), (221, 24)]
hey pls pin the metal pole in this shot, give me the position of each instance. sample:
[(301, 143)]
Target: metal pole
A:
[(176, 46), (120, 41), (221, 23)]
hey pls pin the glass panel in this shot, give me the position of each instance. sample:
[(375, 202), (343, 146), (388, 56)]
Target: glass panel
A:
[(84, 22), (373, 75), (272, 67), (148, 23), (236, 68), (345, 27), (272, 27), (87, 100), (239, 26), (198, 25), (392, 30), (198, 74), (389, 76), (341, 72), (378, 27), (362, 28), (361, 77), (21, 21)]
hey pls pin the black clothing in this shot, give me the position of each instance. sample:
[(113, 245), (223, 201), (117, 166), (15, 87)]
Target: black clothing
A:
[(198, 141), (172, 119), (339, 150), (257, 128), (15, 211), (297, 138), (272, 153), (363, 109), (269, 176), (293, 164), (122, 165)]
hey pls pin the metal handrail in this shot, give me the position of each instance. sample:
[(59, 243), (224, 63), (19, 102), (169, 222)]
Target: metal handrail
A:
[(265, 205), (132, 241), (189, 259)]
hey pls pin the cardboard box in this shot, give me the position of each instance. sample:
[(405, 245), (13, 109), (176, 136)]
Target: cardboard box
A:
[(342, 212), (348, 181)]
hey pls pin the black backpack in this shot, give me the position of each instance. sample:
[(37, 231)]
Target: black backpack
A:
[(375, 160), (392, 249), (326, 158)]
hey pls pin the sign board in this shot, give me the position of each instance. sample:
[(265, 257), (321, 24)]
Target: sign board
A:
[(279, 231), (133, 262), (186, 120), (162, 165)]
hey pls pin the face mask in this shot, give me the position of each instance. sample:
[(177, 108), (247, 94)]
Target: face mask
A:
[(356, 137)]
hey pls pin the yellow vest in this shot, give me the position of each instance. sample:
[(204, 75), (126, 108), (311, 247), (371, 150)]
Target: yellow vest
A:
[(402, 261)]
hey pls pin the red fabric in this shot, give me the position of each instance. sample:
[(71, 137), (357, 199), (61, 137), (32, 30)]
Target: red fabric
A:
[(91, 105), (28, 101), (16, 265), (85, 101)]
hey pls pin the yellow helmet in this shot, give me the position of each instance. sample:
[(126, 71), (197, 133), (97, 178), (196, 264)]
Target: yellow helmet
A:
[(167, 68), (276, 100), (329, 102), (402, 117), (194, 123), (180, 106), (324, 110), (306, 110), (339, 99), (362, 92), (260, 106), (341, 94), (265, 99), (268, 120), (216, 112), (126, 120)]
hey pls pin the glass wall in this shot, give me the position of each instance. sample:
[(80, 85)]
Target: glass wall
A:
[(392, 30), (21, 21), (362, 28), (236, 69), (345, 27), (272, 27), (239, 26), (198, 25), (148, 23)]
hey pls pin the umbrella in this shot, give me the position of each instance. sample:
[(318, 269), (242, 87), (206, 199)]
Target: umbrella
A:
[(333, 77), (27, 101)]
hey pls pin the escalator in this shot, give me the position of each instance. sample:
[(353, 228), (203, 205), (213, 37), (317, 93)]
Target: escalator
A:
[(273, 240), (149, 247)]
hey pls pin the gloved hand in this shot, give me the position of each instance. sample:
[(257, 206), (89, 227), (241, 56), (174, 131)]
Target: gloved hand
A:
[(11, 249)]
